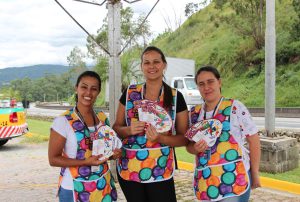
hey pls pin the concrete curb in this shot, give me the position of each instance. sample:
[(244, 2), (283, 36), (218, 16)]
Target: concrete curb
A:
[(265, 181)]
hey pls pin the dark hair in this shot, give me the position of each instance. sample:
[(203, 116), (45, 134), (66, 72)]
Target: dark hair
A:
[(211, 69), (153, 48), (168, 97), (87, 74)]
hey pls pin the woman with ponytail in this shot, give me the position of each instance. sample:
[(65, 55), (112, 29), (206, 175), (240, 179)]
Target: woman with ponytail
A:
[(146, 167)]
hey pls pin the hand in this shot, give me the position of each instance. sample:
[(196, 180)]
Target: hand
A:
[(255, 180), (137, 127), (200, 146), (117, 154), (94, 160), (151, 134)]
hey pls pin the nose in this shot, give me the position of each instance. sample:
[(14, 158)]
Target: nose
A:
[(89, 91)]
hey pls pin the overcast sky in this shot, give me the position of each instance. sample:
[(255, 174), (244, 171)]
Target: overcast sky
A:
[(40, 32)]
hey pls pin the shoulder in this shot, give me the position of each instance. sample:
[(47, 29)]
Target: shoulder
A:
[(60, 120), (237, 105), (102, 117)]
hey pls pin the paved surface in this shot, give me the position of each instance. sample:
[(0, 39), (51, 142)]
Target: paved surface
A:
[(26, 176)]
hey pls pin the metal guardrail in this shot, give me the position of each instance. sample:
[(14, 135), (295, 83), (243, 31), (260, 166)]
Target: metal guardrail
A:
[(286, 112)]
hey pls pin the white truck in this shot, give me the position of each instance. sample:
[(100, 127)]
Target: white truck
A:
[(180, 74)]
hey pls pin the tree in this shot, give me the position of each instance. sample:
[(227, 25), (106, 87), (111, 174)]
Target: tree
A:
[(131, 28), (247, 18), (190, 9), (76, 60)]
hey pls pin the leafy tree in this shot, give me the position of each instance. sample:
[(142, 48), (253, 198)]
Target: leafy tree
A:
[(23, 87), (190, 8), (131, 27), (76, 61), (247, 18)]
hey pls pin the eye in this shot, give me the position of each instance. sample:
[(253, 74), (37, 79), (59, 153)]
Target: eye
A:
[(211, 81), (201, 85), (95, 89)]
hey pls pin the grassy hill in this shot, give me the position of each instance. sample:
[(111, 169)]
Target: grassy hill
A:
[(209, 37)]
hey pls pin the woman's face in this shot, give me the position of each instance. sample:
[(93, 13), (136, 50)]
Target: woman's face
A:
[(87, 91), (209, 86), (153, 65)]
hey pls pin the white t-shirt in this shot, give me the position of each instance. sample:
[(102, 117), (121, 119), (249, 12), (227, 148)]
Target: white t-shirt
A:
[(241, 126), (62, 127)]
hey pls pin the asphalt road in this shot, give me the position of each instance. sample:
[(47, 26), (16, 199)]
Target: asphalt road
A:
[(280, 123)]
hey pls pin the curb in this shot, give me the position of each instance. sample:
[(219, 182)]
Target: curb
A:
[(265, 181)]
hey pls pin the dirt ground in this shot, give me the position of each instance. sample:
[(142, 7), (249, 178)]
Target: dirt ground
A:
[(26, 176)]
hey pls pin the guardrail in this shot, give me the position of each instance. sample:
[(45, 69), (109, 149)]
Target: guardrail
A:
[(287, 112)]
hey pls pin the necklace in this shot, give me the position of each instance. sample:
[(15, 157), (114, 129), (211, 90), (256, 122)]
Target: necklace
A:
[(214, 109), (84, 123)]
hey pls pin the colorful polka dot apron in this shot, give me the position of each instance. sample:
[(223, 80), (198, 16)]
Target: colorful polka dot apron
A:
[(142, 160), (89, 185), (221, 173)]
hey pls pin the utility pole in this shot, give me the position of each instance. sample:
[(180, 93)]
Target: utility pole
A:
[(270, 64), (114, 47)]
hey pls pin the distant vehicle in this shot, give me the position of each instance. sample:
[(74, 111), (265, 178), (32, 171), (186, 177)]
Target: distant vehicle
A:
[(20, 104), (187, 86), (12, 120), (180, 74)]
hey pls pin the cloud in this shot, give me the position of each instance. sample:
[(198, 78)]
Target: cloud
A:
[(39, 31)]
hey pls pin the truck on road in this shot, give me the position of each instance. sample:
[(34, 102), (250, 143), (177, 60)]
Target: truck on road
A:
[(180, 74), (12, 120)]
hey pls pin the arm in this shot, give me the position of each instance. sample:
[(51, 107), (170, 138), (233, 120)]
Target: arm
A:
[(172, 140), (254, 148), (55, 150), (120, 125)]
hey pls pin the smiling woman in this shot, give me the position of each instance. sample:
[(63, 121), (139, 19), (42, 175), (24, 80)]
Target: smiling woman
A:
[(77, 144)]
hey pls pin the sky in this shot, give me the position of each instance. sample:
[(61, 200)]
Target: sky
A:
[(40, 32)]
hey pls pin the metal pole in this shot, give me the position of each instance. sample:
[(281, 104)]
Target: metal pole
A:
[(114, 47), (270, 64)]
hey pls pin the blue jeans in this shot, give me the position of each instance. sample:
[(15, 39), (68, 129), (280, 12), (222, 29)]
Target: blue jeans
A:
[(65, 195)]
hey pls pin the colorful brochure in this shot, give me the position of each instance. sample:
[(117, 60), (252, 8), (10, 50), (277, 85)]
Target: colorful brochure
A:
[(207, 130), (151, 113)]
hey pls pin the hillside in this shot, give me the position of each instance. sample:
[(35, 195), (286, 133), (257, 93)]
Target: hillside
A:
[(32, 72), (214, 36)]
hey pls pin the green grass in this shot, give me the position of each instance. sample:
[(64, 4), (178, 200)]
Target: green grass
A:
[(38, 131), (183, 155), (206, 38), (290, 176)]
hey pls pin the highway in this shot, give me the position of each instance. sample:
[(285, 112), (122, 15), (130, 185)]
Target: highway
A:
[(280, 123)]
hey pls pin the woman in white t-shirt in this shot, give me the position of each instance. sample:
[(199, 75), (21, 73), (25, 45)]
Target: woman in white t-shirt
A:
[(74, 142), (226, 169)]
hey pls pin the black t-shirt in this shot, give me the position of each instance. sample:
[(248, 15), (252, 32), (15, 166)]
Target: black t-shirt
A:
[(181, 105)]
